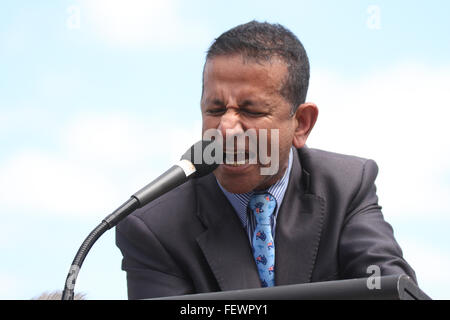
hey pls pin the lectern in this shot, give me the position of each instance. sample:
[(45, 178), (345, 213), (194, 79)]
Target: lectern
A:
[(397, 287)]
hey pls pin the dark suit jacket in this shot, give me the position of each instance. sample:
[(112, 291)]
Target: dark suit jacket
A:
[(329, 227)]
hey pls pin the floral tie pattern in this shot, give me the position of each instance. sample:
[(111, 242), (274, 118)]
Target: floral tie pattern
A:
[(262, 206)]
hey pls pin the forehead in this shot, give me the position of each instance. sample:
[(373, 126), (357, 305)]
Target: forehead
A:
[(239, 75)]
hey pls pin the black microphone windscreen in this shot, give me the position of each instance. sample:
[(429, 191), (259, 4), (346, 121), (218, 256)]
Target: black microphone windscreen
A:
[(196, 155)]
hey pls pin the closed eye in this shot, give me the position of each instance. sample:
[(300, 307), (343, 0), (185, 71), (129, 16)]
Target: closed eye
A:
[(250, 108), (217, 111), (253, 113)]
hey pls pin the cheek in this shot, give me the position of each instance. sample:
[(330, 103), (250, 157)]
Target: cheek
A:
[(285, 136), (209, 123)]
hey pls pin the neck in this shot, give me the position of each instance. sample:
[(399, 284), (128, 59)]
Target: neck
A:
[(266, 184)]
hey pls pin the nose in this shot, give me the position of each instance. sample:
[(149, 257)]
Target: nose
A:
[(230, 124)]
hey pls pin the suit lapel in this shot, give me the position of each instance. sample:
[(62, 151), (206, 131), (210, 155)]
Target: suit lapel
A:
[(299, 226), (224, 244)]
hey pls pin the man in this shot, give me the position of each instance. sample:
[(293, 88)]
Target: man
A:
[(315, 218)]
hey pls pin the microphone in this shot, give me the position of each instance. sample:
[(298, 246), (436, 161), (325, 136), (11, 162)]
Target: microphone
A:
[(178, 174)]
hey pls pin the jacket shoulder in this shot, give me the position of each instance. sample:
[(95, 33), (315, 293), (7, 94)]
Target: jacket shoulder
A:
[(325, 159), (335, 170)]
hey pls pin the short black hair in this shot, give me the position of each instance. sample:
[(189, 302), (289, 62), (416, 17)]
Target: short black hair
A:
[(262, 41)]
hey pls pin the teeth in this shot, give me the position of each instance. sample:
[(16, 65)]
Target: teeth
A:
[(235, 159), (237, 163), (230, 160)]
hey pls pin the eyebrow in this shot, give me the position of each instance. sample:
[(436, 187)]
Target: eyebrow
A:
[(246, 103), (252, 103), (218, 102)]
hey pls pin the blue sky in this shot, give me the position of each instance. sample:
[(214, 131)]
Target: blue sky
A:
[(98, 97)]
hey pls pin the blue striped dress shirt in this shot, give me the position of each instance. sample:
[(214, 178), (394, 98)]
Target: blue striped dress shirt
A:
[(239, 201)]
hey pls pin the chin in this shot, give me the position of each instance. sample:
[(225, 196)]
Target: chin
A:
[(242, 181)]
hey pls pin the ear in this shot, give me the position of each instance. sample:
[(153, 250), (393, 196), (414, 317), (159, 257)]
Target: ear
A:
[(305, 116)]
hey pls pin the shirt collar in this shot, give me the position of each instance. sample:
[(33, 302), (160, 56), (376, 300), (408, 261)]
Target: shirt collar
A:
[(239, 201)]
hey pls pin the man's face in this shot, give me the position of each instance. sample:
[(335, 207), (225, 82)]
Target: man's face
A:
[(240, 95)]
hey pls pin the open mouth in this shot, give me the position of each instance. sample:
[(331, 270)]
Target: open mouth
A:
[(238, 158)]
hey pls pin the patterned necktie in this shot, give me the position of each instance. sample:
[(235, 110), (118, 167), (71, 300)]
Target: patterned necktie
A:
[(262, 206)]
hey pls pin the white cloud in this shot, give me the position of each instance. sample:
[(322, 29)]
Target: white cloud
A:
[(142, 22), (123, 140), (101, 160), (398, 117), (35, 182), (431, 266), (10, 286)]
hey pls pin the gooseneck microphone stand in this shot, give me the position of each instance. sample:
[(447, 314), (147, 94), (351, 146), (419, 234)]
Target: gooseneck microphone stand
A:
[(172, 178), (106, 224)]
